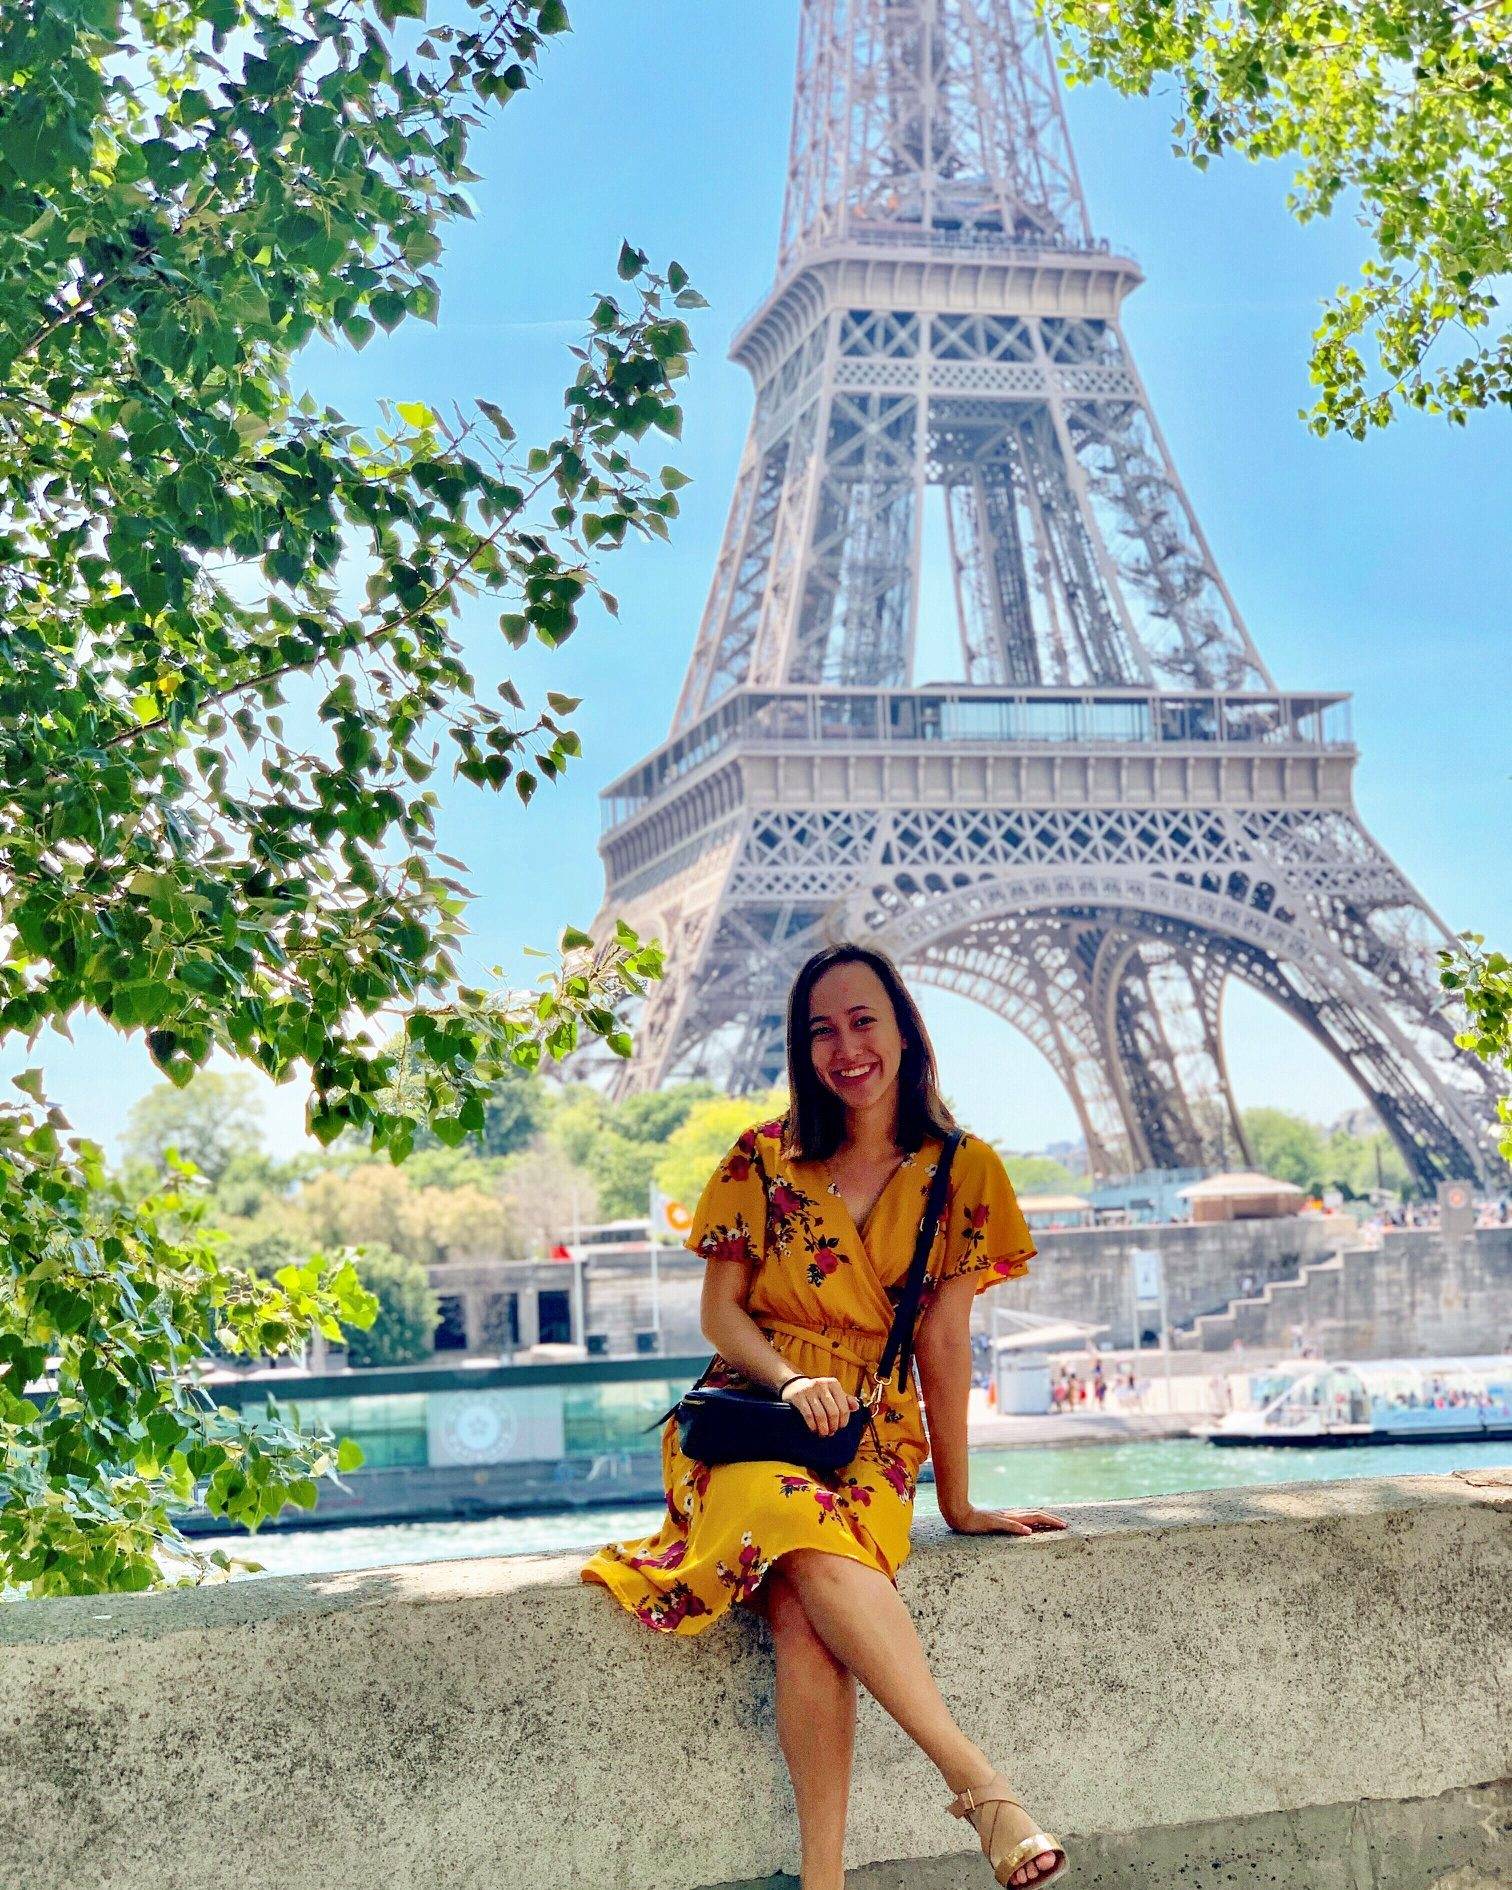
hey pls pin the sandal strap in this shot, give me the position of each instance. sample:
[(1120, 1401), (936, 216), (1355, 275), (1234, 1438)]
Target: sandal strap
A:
[(975, 1796), (1032, 1846)]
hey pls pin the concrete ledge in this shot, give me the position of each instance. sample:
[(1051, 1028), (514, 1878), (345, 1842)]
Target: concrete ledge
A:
[(1332, 1660)]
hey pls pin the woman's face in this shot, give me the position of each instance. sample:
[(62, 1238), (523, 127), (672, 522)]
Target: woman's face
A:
[(854, 1039)]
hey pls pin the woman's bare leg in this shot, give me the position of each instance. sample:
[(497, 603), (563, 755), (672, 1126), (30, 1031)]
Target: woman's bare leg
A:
[(862, 1619), (816, 1729)]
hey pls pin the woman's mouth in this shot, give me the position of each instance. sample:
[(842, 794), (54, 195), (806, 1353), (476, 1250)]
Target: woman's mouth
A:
[(855, 1076)]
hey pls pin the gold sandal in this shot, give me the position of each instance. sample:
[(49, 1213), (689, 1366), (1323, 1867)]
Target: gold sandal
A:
[(1010, 1841)]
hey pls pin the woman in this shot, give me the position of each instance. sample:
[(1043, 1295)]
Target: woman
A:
[(809, 1225)]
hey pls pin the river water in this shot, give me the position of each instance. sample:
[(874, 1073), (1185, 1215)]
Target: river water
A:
[(1027, 1477)]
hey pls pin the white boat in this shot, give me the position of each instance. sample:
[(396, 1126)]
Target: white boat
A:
[(1379, 1401)]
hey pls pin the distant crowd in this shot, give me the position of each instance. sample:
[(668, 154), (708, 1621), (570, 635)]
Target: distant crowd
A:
[(1073, 1390)]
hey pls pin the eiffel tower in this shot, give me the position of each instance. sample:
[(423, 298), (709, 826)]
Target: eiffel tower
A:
[(1117, 809)]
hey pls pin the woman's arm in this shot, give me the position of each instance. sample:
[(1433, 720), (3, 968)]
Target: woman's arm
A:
[(942, 1346), (823, 1403), (730, 1329)]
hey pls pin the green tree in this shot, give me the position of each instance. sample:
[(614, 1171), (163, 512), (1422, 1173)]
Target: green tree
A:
[(1287, 1147), (253, 1182), (404, 1332), (1399, 111), (260, 1243), (373, 1203), (513, 1115), (622, 1144), (1042, 1174), (622, 1170), (232, 672), (578, 1116), (655, 1114), (694, 1149), (210, 1121), (1359, 1164), (1482, 982), (454, 1168)]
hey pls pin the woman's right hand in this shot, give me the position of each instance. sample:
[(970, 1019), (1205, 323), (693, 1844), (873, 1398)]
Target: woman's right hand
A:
[(824, 1402)]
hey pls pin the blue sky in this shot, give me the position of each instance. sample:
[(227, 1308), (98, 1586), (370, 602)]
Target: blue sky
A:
[(1379, 567)]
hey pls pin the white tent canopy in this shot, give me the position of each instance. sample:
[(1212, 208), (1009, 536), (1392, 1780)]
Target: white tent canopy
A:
[(1038, 1329), (1055, 1204), (1237, 1187)]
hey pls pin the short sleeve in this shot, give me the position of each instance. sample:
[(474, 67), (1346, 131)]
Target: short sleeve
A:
[(988, 1235), (729, 1222)]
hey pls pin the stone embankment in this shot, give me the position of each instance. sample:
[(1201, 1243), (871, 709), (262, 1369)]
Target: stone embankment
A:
[(1421, 1293), (1303, 1686)]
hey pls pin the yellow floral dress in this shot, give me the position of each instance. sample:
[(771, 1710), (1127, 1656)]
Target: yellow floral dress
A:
[(825, 1298)]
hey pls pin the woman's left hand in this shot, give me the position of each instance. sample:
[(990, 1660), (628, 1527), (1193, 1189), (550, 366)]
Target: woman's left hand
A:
[(1008, 1522)]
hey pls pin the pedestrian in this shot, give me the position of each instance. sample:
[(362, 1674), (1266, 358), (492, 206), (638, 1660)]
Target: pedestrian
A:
[(805, 1225)]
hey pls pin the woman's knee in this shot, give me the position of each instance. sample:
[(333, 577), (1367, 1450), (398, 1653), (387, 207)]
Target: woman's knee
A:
[(788, 1618)]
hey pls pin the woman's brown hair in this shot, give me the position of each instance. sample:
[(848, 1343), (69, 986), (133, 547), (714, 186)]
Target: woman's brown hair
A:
[(816, 1116)]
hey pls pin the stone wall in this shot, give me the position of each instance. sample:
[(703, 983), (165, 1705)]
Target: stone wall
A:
[(1079, 1273), (1420, 1293), (1083, 1273), (1304, 1684)]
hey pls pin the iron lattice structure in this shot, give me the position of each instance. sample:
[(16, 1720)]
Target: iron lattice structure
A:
[(1116, 810)]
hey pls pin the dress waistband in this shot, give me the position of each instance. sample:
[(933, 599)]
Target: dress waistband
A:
[(827, 1339)]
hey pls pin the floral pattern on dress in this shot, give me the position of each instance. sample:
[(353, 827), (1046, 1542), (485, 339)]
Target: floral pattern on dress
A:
[(974, 1252), (824, 1298), (730, 1243), (790, 1215), (745, 1578), (825, 1258)]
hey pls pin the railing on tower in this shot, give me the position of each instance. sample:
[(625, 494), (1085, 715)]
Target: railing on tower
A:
[(973, 716)]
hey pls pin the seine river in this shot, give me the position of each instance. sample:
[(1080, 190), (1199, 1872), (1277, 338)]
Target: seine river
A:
[(1030, 1477)]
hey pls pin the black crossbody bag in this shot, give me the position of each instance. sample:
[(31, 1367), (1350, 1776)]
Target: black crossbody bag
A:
[(719, 1425)]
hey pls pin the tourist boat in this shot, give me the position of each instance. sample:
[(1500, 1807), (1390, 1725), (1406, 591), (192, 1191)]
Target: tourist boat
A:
[(1379, 1401)]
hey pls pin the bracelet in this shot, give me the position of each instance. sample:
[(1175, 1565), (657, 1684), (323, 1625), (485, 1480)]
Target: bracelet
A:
[(790, 1381)]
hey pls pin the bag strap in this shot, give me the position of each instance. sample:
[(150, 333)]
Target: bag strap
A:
[(900, 1338)]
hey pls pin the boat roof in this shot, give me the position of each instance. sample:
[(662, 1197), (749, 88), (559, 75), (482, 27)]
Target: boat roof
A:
[(1497, 1364)]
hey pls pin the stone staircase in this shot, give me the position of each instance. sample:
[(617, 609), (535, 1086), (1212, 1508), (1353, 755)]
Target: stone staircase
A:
[(1313, 1298)]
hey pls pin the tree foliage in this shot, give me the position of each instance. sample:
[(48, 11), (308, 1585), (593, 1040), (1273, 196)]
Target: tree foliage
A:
[(516, 1108), (1482, 981), (544, 1193), (694, 1150), (621, 1145), (211, 1122), (375, 1203), (1400, 110), (1043, 1174), (1293, 1149), (232, 673), (404, 1331)]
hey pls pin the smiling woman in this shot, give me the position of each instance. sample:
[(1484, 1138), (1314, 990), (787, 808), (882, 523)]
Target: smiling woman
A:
[(809, 1225)]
